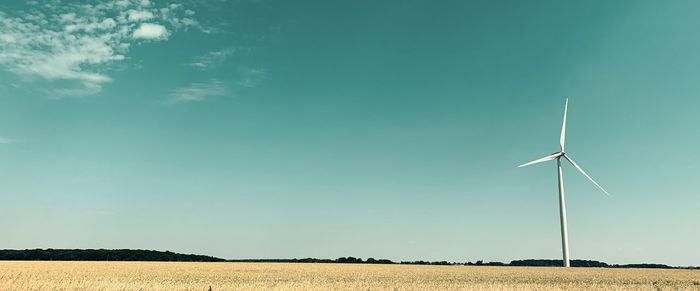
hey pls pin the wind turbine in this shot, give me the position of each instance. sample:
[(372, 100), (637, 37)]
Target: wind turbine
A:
[(562, 203)]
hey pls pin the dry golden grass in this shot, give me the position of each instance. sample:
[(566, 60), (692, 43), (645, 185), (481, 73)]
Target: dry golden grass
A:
[(24, 275)]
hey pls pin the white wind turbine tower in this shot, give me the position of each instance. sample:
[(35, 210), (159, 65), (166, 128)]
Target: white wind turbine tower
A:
[(562, 203)]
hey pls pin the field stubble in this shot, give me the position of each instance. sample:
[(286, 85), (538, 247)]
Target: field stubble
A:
[(33, 275)]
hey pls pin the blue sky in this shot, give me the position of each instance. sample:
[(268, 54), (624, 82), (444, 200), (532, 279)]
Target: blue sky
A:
[(279, 129)]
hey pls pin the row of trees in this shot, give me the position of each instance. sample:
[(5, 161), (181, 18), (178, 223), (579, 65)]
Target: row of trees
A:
[(147, 255), (589, 263), (341, 260), (102, 255), (524, 263)]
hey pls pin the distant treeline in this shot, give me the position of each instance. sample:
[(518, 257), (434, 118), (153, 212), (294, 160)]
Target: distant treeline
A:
[(552, 263), (586, 263), (523, 263), (101, 255), (341, 260), (167, 256)]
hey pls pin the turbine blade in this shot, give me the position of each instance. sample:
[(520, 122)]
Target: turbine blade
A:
[(544, 159), (562, 139), (584, 173)]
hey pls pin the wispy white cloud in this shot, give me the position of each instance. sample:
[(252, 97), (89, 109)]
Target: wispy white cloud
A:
[(213, 59), (7, 140), (75, 43), (252, 77), (139, 15), (151, 31), (197, 92)]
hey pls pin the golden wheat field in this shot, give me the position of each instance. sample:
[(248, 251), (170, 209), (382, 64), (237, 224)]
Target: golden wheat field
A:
[(28, 275)]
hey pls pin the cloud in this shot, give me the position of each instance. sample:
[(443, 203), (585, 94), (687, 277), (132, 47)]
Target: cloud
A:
[(151, 31), (139, 15), (7, 140), (213, 59), (73, 45), (252, 78), (197, 92)]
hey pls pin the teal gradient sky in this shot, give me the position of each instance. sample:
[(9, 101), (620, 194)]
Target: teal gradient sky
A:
[(391, 129)]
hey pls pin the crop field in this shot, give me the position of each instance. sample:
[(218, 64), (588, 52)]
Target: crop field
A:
[(53, 275)]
